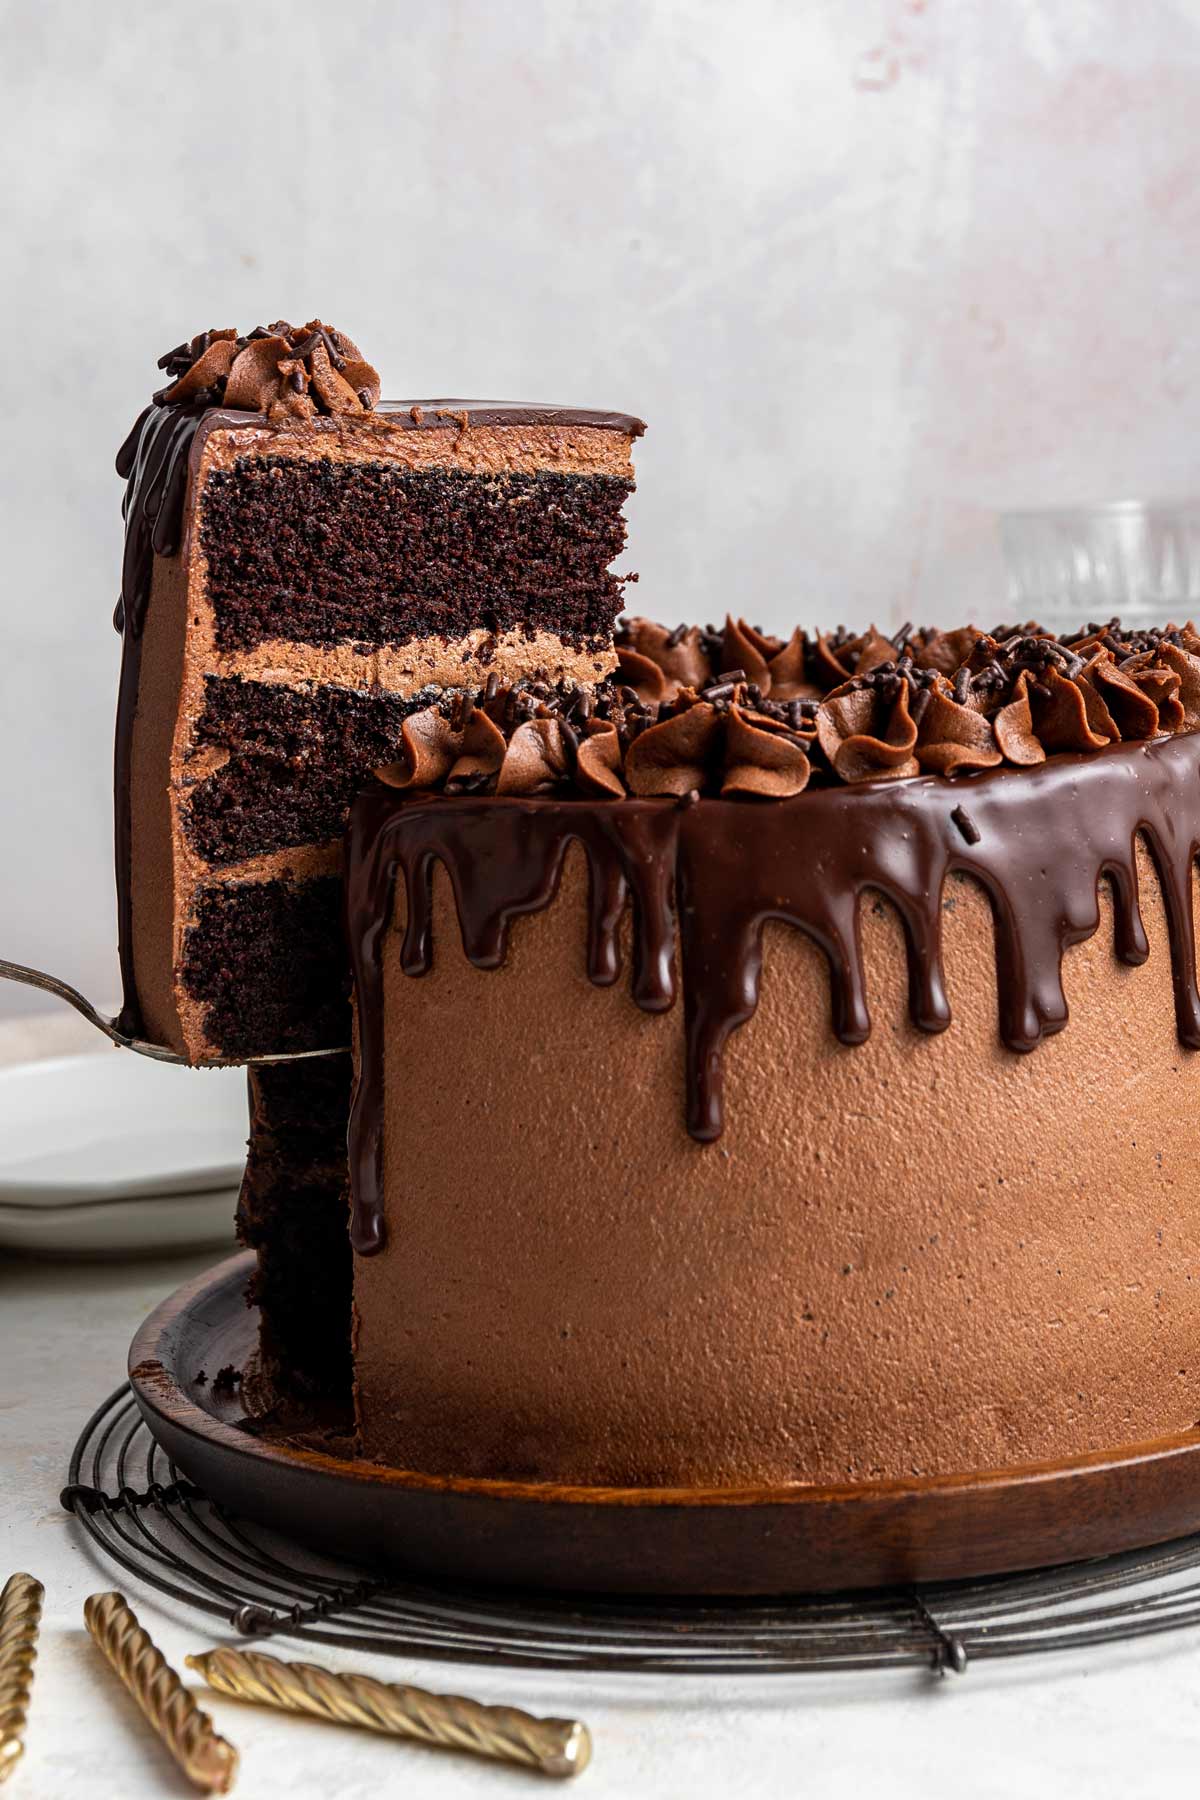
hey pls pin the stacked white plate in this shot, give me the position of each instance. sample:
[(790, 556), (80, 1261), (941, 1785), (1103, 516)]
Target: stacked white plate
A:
[(113, 1154)]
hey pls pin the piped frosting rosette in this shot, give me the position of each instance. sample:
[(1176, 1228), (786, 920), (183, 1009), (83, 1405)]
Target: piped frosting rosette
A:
[(740, 714), (282, 370)]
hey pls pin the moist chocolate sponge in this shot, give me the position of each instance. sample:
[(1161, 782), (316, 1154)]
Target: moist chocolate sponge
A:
[(297, 758), (267, 960), (295, 587), (318, 552)]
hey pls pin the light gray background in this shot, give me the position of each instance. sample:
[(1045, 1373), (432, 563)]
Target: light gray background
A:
[(872, 269)]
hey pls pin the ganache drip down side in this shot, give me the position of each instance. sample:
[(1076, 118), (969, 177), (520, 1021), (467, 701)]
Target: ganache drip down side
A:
[(705, 879), (153, 461)]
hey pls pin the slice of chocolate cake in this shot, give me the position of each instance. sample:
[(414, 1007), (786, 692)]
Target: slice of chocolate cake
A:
[(304, 568)]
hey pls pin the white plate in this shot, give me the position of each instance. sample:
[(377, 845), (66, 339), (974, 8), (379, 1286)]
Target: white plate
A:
[(121, 1227), (110, 1152)]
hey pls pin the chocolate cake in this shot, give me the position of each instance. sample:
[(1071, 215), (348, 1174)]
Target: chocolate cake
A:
[(292, 1212), (304, 568), (770, 1053), (772, 1064)]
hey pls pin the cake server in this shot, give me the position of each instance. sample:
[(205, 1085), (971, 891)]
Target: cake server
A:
[(51, 984)]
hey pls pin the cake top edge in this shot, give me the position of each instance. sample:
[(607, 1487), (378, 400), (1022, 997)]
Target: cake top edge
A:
[(439, 415), (426, 414), (284, 375), (736, 712)]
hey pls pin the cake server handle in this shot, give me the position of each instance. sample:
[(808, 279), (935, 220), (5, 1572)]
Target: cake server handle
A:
[(51, 984)]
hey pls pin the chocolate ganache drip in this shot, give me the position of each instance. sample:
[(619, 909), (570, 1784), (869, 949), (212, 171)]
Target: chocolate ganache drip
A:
[(705, 877), (279, 371), (154, 463)]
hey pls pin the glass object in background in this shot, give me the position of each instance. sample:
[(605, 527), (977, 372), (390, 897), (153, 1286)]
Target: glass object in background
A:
[(1068, 565)]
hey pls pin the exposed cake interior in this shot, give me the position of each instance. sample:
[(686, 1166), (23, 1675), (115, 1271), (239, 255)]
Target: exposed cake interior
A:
[(920, 1254), (292, 1211), (301, 575), (418, 539)]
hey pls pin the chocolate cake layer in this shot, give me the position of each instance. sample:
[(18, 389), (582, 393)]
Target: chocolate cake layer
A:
[(292, 1211), (294, 759), (754, 1143), (272, 554), (265, 959), (317, 551)]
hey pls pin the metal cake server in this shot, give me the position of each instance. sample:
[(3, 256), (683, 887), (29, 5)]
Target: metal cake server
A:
[(50, 984)]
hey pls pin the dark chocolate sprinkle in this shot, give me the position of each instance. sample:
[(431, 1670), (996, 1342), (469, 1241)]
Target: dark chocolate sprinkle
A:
[(965, 824)]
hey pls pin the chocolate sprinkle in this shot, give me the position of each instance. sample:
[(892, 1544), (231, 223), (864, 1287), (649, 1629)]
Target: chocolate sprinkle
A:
[(963, 820)]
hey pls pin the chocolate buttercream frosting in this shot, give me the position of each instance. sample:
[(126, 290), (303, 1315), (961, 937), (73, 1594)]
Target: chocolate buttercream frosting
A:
[(281, 370), (535, 737), (1029, 762), (705, 878), (734, 712)]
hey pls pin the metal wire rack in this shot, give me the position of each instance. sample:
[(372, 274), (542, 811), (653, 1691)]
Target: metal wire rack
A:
[(131, 1502)]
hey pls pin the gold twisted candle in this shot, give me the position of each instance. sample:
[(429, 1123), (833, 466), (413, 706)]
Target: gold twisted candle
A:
[(555, 1746), (20, 1616), (206, 1759)]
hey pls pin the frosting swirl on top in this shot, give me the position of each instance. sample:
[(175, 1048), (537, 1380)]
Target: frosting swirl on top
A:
[(680, 719), (282, 370)]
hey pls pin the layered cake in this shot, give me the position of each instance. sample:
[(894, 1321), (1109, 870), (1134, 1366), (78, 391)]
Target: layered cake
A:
[(781, 1069), (773, 1056), (304, 567)]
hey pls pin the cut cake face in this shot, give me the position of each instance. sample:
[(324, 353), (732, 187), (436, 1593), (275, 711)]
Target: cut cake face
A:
[(300, 576)]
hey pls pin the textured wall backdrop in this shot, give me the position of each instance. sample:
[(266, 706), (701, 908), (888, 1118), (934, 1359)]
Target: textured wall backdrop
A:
[(872, 269)]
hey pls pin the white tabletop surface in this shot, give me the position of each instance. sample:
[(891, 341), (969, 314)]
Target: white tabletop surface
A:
[(1121, 1721)]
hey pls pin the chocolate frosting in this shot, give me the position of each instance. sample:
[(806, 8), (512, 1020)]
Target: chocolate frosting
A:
[(705, 878), (153, 461), (312, 377), (683, 716), (533, 737), (282, 371)]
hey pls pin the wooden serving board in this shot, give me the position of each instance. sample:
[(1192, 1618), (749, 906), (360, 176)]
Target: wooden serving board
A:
[(682, 1541)]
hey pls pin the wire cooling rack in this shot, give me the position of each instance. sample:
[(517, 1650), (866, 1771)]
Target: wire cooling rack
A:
[(131, 1502)]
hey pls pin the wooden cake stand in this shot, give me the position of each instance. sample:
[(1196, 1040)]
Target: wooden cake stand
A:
[(701, 1541)]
